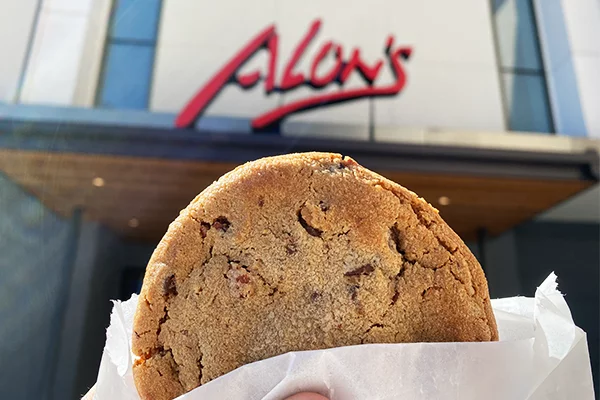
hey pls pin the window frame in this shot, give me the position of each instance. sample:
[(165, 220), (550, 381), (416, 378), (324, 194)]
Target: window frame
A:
[(502, 70), (110, 39)]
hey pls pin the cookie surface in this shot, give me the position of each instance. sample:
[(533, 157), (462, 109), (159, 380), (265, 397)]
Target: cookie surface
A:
[(300, 252)]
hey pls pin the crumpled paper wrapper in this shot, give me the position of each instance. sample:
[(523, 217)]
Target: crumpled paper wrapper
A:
[(541, 355)]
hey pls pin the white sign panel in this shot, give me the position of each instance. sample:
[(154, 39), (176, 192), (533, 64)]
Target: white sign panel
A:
[(408, 64)]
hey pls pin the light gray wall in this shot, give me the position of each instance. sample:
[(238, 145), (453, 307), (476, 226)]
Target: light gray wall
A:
[(35, 262)]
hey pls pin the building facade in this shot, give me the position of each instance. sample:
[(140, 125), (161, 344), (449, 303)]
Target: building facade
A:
[(485, 66)]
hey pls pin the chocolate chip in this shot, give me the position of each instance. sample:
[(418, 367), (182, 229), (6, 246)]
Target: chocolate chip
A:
[(364, 270), (169, 286), (324, 207), (312, 231), (261, 201), (243, 279), (204, 227), (314, 296), (221, 224)]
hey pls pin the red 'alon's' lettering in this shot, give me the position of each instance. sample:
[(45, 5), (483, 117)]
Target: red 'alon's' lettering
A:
[(338, 72), (319, 82)]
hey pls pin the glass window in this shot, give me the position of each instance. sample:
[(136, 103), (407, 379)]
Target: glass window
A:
[(521, 66), (135, 20), (516, 35), (127, 76), (526, 100), (129, 55)]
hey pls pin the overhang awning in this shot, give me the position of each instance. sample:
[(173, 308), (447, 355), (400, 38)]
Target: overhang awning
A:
[(149, 175)]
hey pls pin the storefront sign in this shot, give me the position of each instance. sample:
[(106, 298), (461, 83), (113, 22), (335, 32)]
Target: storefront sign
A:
[(344, 65)]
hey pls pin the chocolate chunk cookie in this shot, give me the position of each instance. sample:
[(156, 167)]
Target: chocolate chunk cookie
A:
[(300, 252)]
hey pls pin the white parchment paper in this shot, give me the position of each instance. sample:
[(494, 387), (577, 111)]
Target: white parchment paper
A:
[(541, 355)]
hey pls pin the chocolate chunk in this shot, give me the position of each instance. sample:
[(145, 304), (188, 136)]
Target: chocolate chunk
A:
[(324, 207), (221, 224), (204, 227), (364, 270), (314, 296), (169, 286)]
